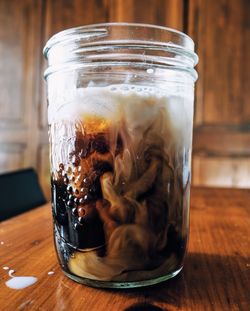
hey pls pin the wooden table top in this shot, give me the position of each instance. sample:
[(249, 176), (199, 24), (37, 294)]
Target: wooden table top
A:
[(215, 275)]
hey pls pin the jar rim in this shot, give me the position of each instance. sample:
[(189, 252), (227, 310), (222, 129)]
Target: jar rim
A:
[(65, 35)]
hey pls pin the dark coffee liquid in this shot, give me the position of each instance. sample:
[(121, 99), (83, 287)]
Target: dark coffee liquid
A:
[(75, 192)]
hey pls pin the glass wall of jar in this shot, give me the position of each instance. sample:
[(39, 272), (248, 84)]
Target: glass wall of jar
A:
[(120, 112)]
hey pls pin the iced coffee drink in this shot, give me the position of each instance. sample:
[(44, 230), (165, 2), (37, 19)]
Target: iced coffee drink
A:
[(120, 114), (120, 174)]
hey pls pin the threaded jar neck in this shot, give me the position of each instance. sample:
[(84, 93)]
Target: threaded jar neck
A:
[(120, 44)]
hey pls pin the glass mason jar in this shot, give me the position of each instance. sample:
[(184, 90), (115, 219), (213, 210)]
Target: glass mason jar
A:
[(120, 118)]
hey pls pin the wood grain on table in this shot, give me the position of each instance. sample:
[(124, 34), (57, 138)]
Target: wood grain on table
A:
[(215, 275)]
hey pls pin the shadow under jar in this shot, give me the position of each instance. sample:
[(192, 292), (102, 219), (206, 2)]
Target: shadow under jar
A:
[(120, 125)]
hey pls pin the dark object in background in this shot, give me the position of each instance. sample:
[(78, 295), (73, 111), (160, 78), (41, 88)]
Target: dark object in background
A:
[(19, 192), (144, 307)]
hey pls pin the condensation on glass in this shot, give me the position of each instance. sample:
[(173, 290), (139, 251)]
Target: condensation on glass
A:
[(120, 112)]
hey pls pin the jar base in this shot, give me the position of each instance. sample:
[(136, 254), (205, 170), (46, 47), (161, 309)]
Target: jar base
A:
[(120, 285)]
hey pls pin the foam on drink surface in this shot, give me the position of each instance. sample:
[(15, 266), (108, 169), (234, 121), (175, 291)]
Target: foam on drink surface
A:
[(139, 105)]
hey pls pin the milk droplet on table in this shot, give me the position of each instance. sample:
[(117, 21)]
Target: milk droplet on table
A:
[(19, 282)]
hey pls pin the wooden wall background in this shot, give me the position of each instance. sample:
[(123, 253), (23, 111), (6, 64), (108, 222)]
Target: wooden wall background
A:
[(221, 31)]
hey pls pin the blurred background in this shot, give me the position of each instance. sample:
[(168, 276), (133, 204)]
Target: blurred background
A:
[(221, 31)]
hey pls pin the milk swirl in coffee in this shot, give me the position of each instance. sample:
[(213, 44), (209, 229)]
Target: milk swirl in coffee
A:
[(120, 174)]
